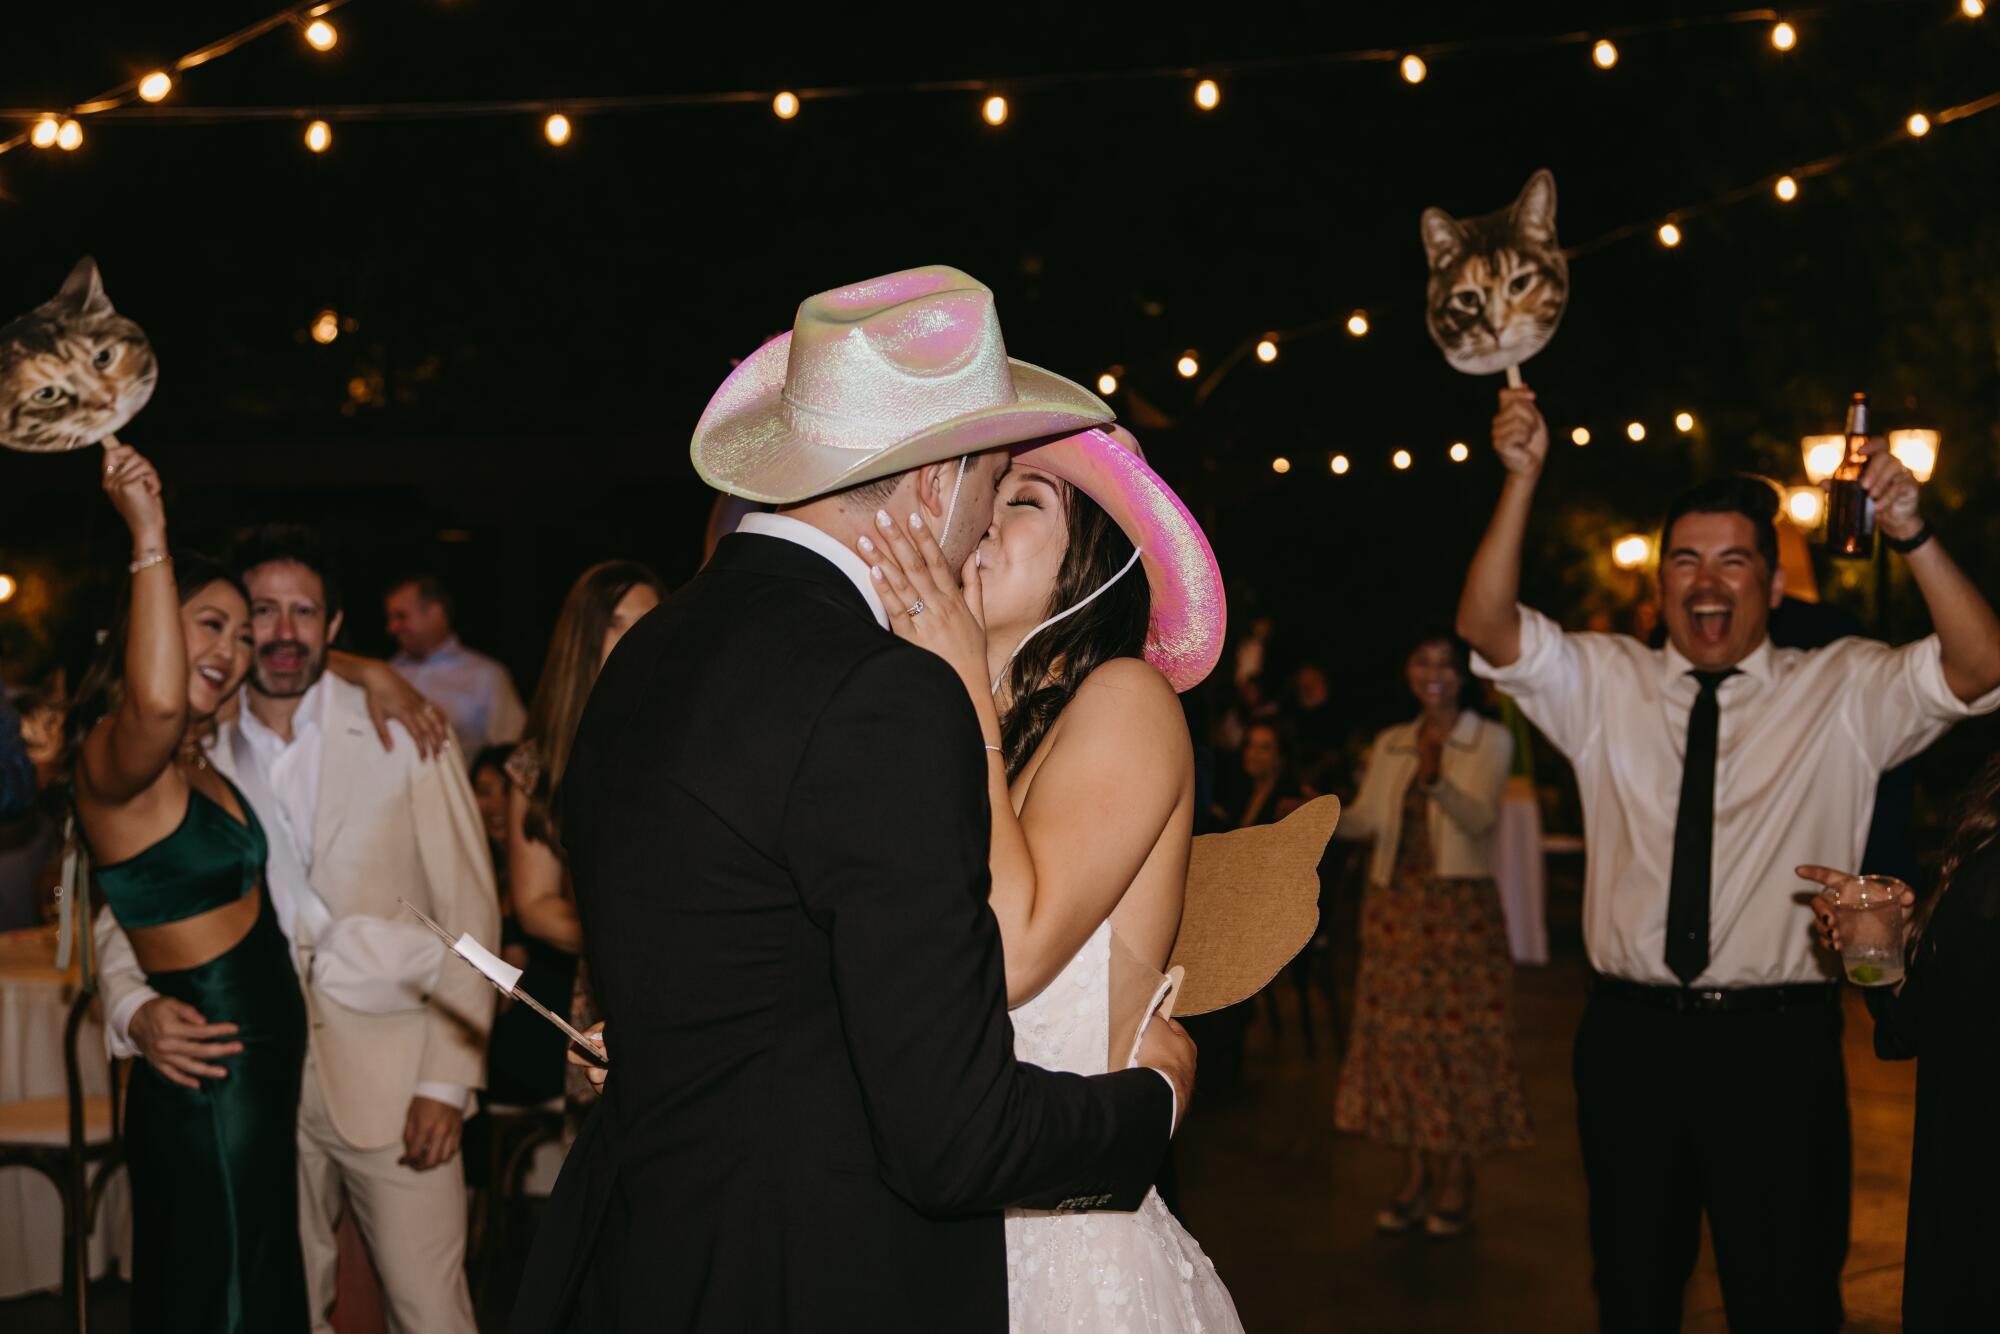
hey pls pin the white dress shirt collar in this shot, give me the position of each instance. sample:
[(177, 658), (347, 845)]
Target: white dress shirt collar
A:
[(822, 544), (1674, 666), (311, 713)]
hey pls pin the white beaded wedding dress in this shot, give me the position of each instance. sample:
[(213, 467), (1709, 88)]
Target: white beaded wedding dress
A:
[(1100, 1273)]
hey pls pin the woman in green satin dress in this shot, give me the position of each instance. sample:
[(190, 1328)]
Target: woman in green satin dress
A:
[(211, 1144)]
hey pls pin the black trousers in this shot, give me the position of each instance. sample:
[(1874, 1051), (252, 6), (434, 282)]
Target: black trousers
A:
[(1743, 1116)]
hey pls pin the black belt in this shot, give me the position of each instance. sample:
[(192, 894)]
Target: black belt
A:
[(1729, 1000)]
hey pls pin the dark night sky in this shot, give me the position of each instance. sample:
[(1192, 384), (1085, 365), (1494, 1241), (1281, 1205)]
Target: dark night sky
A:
[(543, 326)]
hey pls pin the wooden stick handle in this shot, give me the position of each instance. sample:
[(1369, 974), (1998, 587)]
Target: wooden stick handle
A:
[(590, 1049), (1513, 377)]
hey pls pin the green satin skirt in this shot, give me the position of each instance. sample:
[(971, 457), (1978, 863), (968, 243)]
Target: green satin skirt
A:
[(215, 1183)]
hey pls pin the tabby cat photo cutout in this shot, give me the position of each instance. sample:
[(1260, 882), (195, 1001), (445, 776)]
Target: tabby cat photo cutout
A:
[(1499, 282), (72, 370)]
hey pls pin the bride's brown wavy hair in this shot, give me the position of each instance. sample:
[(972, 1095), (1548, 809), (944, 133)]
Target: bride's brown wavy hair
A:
[(1052, 666), (1978, 825)]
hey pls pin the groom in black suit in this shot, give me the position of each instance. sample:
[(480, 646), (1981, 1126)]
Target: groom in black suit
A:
[(776, 819)]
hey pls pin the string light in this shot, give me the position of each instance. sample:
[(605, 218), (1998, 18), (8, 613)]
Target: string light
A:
[(994, 110), (1107, 384), (319, 136), (1340, 465), (325, 327), (1188, 366), (1580, 436), (1401, 458), (1357, 323), (69, 136), (1414, 68), (1604, 54), (1670, 235), (45, 131), (1972, 9), (1787, 188), (1822, 454), (1630, 551), (155, 86), (1635, 431), (1917, 451), (1267, 349), (7, 587), (1918, 124), (1281, 465), (1683, 422), (1207, 95), (556, 128), (785, 105), (321, 35), (1459, 453), (1784, 36), (1806, 505)]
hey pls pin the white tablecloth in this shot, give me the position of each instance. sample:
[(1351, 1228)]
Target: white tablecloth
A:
[(34, 1003), (1518, 871)]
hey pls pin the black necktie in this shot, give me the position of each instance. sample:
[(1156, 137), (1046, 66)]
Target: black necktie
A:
[(1694, 836)]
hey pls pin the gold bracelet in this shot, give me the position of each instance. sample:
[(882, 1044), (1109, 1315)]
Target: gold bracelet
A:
[(148, 562)]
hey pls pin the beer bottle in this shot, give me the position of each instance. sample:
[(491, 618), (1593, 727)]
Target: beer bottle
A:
[(1850, 514)]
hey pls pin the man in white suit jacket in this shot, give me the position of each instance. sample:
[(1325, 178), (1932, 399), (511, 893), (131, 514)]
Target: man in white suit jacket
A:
[(397, 1032)]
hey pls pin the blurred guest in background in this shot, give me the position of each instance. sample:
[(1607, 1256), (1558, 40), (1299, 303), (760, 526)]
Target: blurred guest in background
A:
[(475, 692), (605, 602), (17, 770), (30, 811), (1430, 1065), (489, 789), (1270, 788), (1316, 727)]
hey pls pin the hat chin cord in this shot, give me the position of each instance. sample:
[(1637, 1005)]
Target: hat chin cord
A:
[(952, 508), (1065, 615)]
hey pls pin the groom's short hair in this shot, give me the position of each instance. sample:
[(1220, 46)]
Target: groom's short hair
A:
[(290, 542)]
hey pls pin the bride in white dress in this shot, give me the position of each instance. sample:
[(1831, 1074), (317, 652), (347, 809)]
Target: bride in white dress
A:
[(1072, 660)]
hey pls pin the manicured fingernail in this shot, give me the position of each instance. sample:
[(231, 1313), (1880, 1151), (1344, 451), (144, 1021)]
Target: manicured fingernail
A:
[(978, 559), (875, 574), (865, 545), (916, 521), (881, 518)]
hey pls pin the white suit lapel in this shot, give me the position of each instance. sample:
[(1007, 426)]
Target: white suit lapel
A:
[(345, 727)]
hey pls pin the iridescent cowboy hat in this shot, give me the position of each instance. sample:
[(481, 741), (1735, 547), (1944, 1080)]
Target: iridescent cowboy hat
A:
[(1190, 613), (877, 378)]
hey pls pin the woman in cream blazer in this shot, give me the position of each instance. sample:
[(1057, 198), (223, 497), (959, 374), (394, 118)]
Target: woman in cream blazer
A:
[(1430, 1065)]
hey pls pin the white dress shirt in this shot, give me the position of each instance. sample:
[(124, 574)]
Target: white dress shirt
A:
[(824, 544), (474, 691), (1803, 739)]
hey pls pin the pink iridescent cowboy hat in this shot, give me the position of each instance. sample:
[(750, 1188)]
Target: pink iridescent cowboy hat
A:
[(874, 379), (1190, 611)]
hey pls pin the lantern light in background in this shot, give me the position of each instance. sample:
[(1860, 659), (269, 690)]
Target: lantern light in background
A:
[(319, 135), (1822, 454), (785, 105), (1784, 36), (1281, 465), (1604, 54), (1635, 431), (1917, 451), (1189, 365), (1683, 422), (1805, 506), (1401, 458), (325, 327), (1207, 95), (1414, 68), (1580, 436), (7, 587), (1972, 9), (1631, 551), (1787, 188), (1918, 124), (1107, 383), (321, 35), (994, 110), (1459, 453), (556, 128), (155, 86), (1267, 349), (1340, 465), (43, 135), (69, 136), (1357, 323), (1670, 235)]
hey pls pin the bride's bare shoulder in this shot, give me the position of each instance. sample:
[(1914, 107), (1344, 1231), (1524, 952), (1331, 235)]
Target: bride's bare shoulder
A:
[(1130, 696)]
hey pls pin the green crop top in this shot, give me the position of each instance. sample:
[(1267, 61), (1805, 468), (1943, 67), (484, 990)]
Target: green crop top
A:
[(209, 861)]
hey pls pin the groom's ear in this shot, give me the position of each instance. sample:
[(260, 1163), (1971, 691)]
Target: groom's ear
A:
[(934, 487)]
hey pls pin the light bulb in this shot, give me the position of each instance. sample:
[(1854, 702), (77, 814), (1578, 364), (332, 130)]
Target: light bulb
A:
[(1972, 9), (1581, 435), (1683, 422), (1806, 505), (1107, 383), (1267, 351), (1787, 188), (1604, 54), (1414, 68), (1340, 465), (994, 109), (7, 587), (1635, 431), (1630, 551), (45, 131), (155, 86), (1401, 458), (556, 129), (1459, 453), (1188, 366), (785, 105), (1784, 36), (1918, 124), (325, 327), (69, 136), (321, 35), (1207, 95), (1917, 451), (319, 136), (1670, 235), (1281, 465), (1357, 323), (1823, 454)]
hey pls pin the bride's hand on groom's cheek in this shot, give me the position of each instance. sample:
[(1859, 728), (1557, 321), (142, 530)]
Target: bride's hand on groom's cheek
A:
[(926, 605)]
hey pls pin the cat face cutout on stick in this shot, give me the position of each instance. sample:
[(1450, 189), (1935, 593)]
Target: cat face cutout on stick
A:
[(72, 370), (1499, 283)]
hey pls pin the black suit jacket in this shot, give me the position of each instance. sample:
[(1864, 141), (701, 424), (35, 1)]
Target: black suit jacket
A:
[(776, 819)]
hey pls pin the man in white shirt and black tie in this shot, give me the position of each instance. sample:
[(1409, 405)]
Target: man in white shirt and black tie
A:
[(1708, 1065)]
